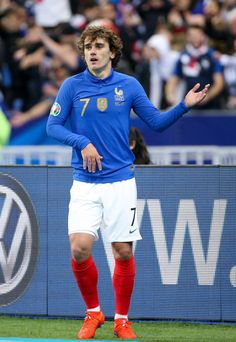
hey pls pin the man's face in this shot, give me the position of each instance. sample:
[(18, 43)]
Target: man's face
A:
[(196, 37), (97, 55), (11, 22)]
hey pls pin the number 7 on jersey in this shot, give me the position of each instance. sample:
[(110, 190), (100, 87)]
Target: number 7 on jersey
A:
[(86, 102)]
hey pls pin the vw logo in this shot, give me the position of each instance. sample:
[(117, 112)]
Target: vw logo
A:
[(19, 242)]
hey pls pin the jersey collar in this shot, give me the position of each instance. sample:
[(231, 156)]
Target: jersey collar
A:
[(94, 79)]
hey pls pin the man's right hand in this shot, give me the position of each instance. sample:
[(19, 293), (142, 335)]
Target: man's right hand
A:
[(91, 158)]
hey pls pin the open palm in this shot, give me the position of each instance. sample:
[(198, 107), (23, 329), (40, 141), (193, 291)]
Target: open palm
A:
[(194, 97)]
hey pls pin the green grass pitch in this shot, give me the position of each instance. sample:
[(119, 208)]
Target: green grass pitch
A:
[(146, 331)]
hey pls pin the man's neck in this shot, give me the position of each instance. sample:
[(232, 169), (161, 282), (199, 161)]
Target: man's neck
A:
[(101, 73)]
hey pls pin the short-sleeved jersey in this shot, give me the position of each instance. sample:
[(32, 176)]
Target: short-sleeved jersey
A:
[(197, 68), (99, 113)]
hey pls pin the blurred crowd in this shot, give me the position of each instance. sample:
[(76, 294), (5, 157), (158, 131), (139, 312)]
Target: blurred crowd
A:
[(169, 45)]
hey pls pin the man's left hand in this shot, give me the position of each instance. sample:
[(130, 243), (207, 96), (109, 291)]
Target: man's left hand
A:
[(195, 97)]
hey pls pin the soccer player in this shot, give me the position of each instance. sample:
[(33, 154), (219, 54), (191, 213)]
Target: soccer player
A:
[(98, 102)]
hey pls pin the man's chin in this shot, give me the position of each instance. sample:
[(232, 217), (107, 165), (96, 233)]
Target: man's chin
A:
[(94, 66)]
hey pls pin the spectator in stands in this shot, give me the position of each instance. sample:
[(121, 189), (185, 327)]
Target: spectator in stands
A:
[(216, 26), (49, 14), (229, 63), (29, 127), (182, 14), (108, 11), (145, 74), (37, 111), (21, 85), (132, 31), (22, 64), (197, 63), (228, 60), (138, 147), (34, 61), (63, 47), (153, 11), (88, 11), (161, 64)]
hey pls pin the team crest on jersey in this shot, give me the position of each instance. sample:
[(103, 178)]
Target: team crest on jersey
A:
[(119, 95), (102, 104), (56, 109)]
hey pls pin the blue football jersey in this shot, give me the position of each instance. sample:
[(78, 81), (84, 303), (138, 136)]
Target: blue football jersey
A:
[(99, 112)]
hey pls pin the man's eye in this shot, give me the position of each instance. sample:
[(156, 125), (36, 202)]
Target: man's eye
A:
[(99, 46)]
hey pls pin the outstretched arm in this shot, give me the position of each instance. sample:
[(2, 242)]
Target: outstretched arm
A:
[(195, 97), (157, 120)]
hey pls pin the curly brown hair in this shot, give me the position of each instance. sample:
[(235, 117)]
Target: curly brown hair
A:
[(94, 32)]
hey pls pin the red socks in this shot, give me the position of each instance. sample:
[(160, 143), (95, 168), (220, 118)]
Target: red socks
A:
[(86, 276), (123, 283)]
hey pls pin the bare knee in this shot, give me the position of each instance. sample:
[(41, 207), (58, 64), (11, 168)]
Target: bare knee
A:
[(81, 247), (122, 250), (80, 253)]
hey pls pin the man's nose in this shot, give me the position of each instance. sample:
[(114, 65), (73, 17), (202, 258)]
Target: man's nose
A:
[(93, 50)]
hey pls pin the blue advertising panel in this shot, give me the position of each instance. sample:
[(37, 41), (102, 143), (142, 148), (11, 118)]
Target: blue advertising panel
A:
[(23, 240), (186, 262), (227, 265), (176, 257), (186, 130)]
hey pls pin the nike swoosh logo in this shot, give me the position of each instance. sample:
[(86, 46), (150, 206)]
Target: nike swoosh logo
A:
[(131, 231)]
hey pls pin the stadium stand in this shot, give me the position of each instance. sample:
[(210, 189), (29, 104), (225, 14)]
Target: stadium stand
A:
[(37, 55)]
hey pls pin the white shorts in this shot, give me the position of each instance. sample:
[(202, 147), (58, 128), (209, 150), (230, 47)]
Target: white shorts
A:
[(110, 206)]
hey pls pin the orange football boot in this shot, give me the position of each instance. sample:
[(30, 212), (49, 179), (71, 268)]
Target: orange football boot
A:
[(92, 321), (122, 329)]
